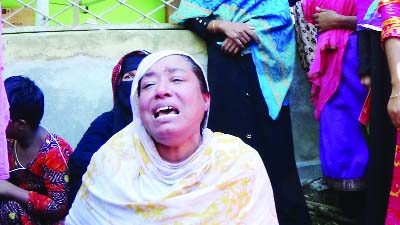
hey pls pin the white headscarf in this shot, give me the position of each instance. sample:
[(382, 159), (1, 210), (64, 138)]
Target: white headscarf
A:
[(142, 69)]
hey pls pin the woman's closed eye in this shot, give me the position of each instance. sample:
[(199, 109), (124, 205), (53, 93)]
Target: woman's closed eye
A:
[(177, 79), (147, 85)]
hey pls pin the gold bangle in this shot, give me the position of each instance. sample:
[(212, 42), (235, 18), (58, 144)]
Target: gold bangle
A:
[(213, 26), (394, 96)]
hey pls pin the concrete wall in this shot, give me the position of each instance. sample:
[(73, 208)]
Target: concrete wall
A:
[(74, 67)]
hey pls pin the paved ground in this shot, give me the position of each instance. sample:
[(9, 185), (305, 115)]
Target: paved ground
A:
[(329, 207)]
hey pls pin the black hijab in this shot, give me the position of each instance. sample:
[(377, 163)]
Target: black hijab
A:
[(122, 112)]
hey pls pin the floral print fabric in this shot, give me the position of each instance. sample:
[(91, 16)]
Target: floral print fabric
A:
[(390, 10), (306, 37), (47, 180), (224, 182)]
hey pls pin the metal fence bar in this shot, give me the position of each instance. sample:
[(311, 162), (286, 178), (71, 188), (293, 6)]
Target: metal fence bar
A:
[(76, 14), (42, 6), (139, 12), (82, 8), (168, 3), (110, 9), (148, 15), (45, 13), (13, 14), (62, 10), (8, 23)]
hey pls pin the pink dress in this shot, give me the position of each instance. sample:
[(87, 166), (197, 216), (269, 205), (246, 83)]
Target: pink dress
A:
[(4, 118), (390, 10), (326, 68)]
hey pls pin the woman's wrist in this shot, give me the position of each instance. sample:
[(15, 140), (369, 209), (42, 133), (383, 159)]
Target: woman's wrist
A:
[(395, 83), (395, 90), (213, 26), (348, 22)]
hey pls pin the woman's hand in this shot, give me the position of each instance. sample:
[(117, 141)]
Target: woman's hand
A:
[(240, 33), (230, 46), (325, 19), (393, 108), (392, 49), (4, 188), (366, 81), (8, 189), (328, 19)]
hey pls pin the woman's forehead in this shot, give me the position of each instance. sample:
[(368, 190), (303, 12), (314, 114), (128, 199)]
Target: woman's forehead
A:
[(169, 64)]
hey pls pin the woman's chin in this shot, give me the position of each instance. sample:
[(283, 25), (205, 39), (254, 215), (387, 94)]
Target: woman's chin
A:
[(171, 136)]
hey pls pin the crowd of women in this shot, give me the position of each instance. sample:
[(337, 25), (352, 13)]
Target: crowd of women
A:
[(185, 146)]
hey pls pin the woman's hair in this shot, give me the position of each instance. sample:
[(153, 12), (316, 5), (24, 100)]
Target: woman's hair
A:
[(26, 100)]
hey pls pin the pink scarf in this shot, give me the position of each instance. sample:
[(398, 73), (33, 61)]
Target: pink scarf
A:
[(4, 118), (326, 69)]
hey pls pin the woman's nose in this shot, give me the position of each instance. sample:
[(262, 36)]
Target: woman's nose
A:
[(163, 90)]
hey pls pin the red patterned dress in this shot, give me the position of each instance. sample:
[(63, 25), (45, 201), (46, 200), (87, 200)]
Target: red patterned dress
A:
[(47, 180)]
